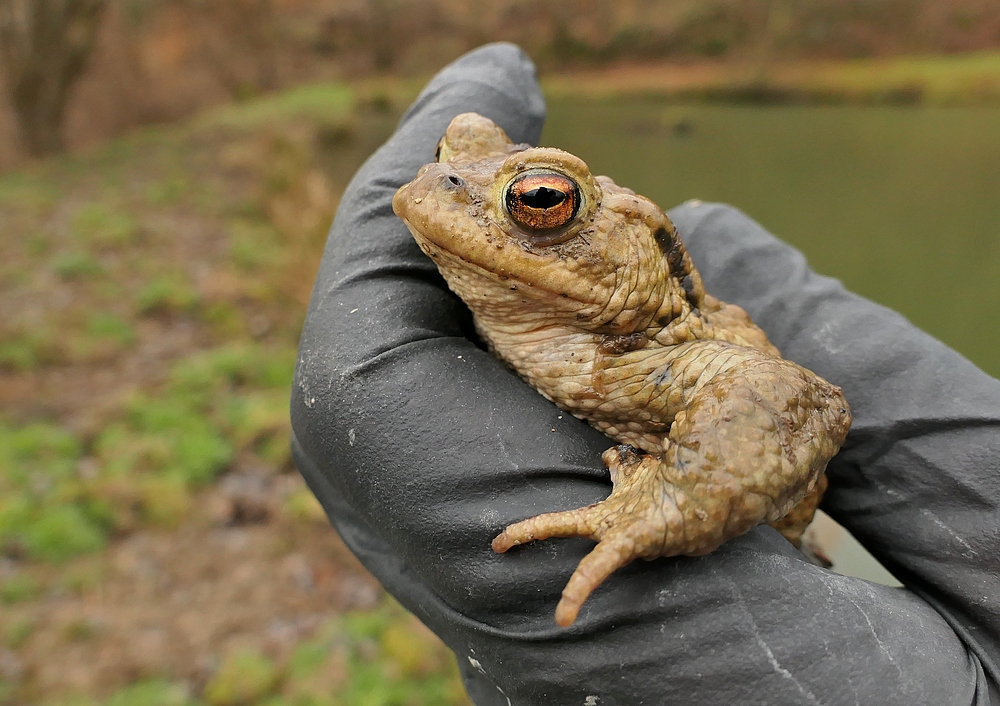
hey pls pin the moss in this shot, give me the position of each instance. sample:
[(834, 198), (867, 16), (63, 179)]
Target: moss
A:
[(18, 632), (214, 404), (168, 191), (80, 630), (255, 245), (74, 265), (105, 226), (106, 325), (168, 436), (374, 657), (303, 506), (59, 532), (104, 334), (317, 102), (40, 443), (30, 190), (259, 420), (225, 319), (235, 364), (147, 692), (166, 501), (18, 589), (244, 677), (967, 79), (38, 243), (82, 579), (29, 349), (151, 692), (7, 693), (41, 509), (167, 294)]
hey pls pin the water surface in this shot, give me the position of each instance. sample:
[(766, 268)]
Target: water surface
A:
[(901, 204)]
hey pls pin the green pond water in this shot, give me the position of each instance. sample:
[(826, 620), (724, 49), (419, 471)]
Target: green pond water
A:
[(901, 204)]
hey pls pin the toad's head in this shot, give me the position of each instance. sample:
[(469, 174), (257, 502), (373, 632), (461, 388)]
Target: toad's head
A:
[(527, 236)]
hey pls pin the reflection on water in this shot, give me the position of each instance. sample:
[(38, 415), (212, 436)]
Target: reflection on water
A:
[(901, 204)]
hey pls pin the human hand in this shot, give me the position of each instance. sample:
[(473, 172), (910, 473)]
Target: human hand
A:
[(422, 447)]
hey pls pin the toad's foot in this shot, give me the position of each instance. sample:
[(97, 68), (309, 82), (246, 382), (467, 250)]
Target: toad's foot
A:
[(646, 516)]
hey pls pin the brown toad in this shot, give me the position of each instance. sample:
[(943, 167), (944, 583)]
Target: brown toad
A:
[(586, 290)]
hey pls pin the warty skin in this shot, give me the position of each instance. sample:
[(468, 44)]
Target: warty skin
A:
[(603, 312)]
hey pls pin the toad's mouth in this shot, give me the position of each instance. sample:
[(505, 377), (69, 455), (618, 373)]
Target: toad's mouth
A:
[(434, 250), (454, 265)]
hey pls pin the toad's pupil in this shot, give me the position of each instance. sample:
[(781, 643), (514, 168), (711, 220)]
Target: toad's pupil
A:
[(541, 203), (543, 197)]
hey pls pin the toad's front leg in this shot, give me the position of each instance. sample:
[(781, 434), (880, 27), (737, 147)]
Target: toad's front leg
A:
[(751, 444)]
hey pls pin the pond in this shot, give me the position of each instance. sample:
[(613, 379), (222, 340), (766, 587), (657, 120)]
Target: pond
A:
[(901, 204)]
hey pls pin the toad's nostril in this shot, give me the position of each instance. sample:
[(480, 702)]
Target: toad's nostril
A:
[(455, 181)]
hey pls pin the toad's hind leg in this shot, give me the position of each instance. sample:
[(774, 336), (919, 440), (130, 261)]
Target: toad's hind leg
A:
[(750, 445), (643, 517)]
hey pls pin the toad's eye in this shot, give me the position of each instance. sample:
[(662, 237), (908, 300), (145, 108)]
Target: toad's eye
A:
[(542, 201)]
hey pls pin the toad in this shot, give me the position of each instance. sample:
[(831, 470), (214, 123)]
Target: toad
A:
[(585, 289)]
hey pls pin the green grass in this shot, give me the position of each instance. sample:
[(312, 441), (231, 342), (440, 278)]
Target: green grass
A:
[(255, 245), (80, 630), (319, 102), (151, 692), (163, 447), (147, 692), (951, 79), (370, 658), (43, 511), (103, 335), (76, 265), (103, 325), (18, 632), (168, 191), (28, 349), (30, 190), (169, 293), (38, 244), (105, 267), (245, 677), (18, 588), (967, 79), (98, 224), (172, 442)]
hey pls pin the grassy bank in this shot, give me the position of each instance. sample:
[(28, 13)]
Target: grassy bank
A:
[(156, 545), (970, 79)]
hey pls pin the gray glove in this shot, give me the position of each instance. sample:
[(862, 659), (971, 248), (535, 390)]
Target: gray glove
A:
[(422, 447)]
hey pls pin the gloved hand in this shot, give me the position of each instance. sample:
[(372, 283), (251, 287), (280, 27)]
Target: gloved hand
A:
[(422, 447)]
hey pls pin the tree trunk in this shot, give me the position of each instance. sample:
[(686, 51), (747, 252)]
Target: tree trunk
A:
[(44, 46)]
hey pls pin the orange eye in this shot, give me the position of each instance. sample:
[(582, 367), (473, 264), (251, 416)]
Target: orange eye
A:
[(543, 202)]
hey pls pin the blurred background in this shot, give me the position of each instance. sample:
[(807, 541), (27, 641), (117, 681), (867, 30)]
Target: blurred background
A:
[(168, 171)]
